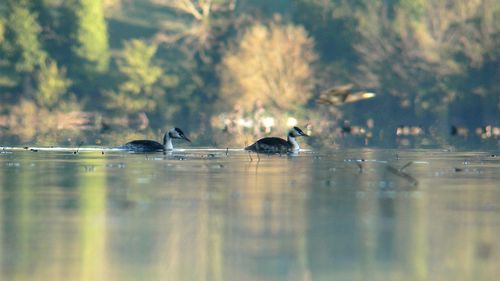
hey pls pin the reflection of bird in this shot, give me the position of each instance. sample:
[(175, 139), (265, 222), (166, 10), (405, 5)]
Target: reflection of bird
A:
[(278, 145), (346, 127), (342, 94), (153, 146), (458, 131)]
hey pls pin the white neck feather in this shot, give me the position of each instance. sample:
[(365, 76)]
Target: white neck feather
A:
[(168, 144), (295, 144)]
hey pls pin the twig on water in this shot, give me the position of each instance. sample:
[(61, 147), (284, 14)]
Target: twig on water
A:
[(405, 166), (78, 148), (401, 174)]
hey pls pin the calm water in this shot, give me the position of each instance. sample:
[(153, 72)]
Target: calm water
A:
[(202, 215)]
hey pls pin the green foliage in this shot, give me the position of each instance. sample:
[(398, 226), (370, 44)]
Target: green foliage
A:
[(420, 58), (25, 47), (2, 30), (52, 84), (141, 77), (427, 60), (414, 9), (91, 35)]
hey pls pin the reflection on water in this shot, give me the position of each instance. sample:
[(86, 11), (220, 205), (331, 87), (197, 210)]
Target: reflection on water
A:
[(204, 216)]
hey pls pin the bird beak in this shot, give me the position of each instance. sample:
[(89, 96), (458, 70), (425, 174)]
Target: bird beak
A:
[(305, 135), (185, 138)]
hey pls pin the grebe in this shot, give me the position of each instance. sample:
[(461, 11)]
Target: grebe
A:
[(153, 146), (274, 145)]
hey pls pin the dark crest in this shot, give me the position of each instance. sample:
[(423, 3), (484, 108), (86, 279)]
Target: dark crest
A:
[(298, 130), (179, 131)]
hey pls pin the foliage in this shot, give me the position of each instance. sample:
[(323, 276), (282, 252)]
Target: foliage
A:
[(23, 117), (334, 29), (272, 64), (52, 85), (141, 77), (2, 30), (24, 45), (430, 62), (208, 20), (424, 43), (91, 35)]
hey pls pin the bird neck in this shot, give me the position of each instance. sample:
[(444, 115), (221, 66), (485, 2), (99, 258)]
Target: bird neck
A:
[(293, 142), (167, 142)]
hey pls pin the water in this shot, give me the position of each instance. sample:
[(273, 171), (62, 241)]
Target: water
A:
[(205, 215)]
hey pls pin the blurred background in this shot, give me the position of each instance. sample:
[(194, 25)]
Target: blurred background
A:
[(412, 73)]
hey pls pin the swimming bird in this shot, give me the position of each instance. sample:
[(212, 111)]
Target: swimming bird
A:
[(273, 145), (153, 146)]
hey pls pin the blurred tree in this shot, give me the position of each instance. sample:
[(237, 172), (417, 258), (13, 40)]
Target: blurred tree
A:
[(21, 51), (23, 30), (52, 85), (140, 85), (4, 72), (112, 4), (2, 30), (333, 27), (208, 19), (193, 37), (272, 64), (415, 49), (90, 35), (424, 57)]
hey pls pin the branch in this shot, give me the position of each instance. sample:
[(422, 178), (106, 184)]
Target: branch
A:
[(206, 7), (189, 7)]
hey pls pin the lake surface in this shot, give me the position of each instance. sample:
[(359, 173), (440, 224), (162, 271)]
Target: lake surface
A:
[(206, 215)]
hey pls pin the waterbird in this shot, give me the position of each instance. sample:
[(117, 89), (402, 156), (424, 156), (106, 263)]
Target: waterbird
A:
[(274, 145), (153, 146), (339, 95)]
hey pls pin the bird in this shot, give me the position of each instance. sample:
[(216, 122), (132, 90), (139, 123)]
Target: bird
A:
[(274, 145), (153, 146), (342, 94)]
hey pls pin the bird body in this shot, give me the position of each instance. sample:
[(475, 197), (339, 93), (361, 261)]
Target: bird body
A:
[(154, 146), (274, 145), (143, 146)]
